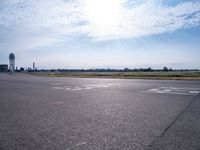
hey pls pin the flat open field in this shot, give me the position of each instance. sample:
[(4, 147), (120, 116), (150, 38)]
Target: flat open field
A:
[(177, 75)]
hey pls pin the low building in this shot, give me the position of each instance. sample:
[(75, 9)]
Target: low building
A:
[(3, 68)]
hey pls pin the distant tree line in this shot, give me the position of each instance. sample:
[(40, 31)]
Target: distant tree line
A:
[(149, 69)]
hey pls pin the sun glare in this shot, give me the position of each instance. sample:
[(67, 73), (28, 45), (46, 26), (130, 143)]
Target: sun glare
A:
[(103, 15)]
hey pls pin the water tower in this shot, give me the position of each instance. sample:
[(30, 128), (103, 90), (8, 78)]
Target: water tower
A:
[(33, 66), (12, 62)]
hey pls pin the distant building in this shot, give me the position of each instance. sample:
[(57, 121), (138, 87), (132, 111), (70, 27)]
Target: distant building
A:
[(33, 66), (11, 62), (3, 68)]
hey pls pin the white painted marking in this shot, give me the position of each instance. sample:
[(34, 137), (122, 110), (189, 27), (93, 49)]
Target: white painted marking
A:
[(182, 88), (195, 92), (153, 90), (57, 88), (88, 88), (174, 90), (85, 87), (79, 144), (167, 90)]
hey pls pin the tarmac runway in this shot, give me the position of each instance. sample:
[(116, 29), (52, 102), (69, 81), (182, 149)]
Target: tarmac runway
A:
[(44, 113)]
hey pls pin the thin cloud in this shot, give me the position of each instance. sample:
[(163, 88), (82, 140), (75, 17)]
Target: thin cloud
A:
[(95, 19)]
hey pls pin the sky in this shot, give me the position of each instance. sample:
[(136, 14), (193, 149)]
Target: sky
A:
[(89, 34)]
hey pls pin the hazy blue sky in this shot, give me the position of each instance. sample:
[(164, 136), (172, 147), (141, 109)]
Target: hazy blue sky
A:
[(101, 33)]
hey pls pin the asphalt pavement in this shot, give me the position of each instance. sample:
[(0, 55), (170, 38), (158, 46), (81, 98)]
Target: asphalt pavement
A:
[(49, 113)]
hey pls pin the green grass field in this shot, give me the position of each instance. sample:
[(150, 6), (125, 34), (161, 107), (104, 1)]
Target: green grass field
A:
[(177, 75)]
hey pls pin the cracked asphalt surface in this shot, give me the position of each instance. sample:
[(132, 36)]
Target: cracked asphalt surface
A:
[(43, 113)]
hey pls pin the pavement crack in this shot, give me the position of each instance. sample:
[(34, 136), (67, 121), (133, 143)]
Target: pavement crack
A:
[(173, 122)]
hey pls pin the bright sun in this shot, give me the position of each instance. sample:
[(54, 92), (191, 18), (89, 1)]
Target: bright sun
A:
[(103, 15)]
